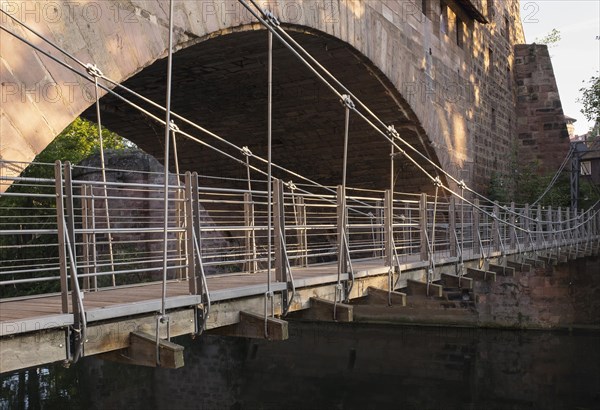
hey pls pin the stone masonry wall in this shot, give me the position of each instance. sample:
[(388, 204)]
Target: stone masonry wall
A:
[(562, 296), (543, 138)]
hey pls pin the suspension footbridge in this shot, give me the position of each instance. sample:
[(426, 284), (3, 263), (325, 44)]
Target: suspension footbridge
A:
[(118, 266)]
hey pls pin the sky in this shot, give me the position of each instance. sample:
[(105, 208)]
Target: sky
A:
[(576, 57)]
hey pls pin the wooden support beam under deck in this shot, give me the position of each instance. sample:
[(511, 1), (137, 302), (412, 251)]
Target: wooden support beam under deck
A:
[(252, 326), (376, 296)]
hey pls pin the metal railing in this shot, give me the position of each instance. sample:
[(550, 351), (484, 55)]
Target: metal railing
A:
[(55, 237)]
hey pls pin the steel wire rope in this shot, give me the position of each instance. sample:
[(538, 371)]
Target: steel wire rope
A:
[(154, 117), (290, 39), (146, 112)]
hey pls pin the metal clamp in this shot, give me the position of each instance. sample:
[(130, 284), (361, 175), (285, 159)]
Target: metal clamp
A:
[(173, 127), (93, 70), (392, 132), (290, 184), (347, 101), (271, 19), (246, 151), (438, 182), (462, 184)]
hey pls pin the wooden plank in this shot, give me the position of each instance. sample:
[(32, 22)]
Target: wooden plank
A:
[(378, 296), (521, 267), (457, 281), (32, 349), (327, 311), (416, 287), (142, 351), (502, 270), (481, 275), (106, 337), (253, 326), (228, 312)]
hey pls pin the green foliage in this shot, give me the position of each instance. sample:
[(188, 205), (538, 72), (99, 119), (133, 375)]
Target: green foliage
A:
[(590, 98), (75, 143), (551, 39)]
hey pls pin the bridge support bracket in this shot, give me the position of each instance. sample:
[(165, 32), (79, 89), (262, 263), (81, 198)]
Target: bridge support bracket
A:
[(252, 326), (376, 296), (323, 310), (481, 275), (142, 352), (502, 270), (518, 266), (454, 281), (416, 287)]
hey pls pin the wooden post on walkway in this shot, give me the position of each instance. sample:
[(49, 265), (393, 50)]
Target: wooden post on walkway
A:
[(341, 230), (496, 228), (279, 234), (512, 241), (539, 233), (388, 233), (301, 234), (189, 227), (249, 234), (452, 227), (423, 226), (476, 234)]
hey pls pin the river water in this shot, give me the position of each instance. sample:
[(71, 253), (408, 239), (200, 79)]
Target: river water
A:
[(336, 366)]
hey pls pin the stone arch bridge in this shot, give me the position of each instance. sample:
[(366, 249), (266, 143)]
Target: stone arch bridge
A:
[(421, 66)]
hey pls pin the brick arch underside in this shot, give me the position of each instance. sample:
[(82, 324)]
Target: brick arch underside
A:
[(221, 84)]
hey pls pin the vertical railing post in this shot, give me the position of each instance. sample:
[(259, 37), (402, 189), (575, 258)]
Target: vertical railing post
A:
[(559, 227), (70, 223), (249, 233), (85, 226), (423, 227), (550, 226), (388, 233), (197, 227), (452, 227), (476, 234), (281, 273), (341, 230), (575, 228), (60, 223), (380, 215), (539, 233), (189, 228), (527, 226), (301, 232), (512, 235), (496, 228)]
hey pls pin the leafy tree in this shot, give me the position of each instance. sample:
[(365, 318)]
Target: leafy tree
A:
[(590, 98), (75, 143), (551, 39)]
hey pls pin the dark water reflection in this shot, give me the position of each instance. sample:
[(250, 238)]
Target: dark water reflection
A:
[(332, 366)]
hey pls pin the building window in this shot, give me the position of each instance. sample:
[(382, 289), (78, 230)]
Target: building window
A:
[(490, 60), (444, 18), (424, 7), (506, 29), (508, 78), (490, 9), (493, 119), (460, 32)]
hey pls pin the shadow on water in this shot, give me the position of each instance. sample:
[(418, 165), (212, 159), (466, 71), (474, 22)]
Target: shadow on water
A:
[(335, 366)]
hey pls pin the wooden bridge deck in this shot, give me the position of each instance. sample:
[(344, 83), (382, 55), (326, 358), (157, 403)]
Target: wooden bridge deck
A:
[(27, 314)]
